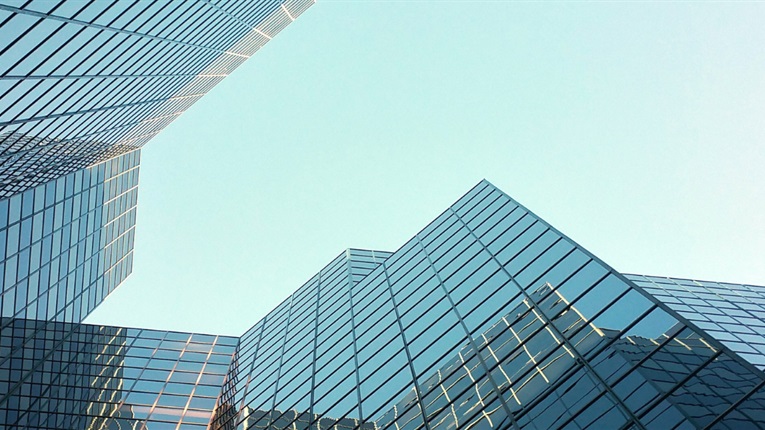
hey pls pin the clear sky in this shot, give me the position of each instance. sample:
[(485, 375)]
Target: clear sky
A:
[(636, 128)]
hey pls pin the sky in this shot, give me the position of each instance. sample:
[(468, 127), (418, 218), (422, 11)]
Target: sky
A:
[(635, 128)]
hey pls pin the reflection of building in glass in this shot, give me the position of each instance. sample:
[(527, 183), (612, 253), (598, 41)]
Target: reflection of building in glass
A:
[(83, 85), (486, 318), (455, 396), (98, 377), (701, 397), (297, 420), (62, 376)]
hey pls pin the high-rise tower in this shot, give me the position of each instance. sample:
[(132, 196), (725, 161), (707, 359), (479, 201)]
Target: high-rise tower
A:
[(83, 85), (490, 317), (81, 82), (487, 318)]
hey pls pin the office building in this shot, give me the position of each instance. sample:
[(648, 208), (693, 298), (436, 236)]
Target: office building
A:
[(491, 318), (81, 376), (487, 318), (83, 85), (82, 82), (68, 243)]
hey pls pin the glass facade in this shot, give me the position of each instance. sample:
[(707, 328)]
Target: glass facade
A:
[(83, 85), (81, 82), (487, 318), (79, 376), (66, 244), (308, 349), (734, 314)]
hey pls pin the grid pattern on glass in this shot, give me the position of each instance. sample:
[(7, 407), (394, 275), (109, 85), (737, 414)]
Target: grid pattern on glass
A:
[(375, 354), (81, 82), (66, 244), (101, 377), (297, 420), (546, 387), (299, 351), (734, 314)]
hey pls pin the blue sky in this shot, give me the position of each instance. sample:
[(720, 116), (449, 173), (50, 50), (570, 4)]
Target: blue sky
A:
[(634, 128)]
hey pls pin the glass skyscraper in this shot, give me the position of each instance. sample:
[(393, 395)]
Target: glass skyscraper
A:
[(83, 85), (491, 318), (82, 82), (488, 318), (68, 243)]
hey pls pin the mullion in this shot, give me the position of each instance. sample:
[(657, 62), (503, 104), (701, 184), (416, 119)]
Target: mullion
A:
[(530, 298), (69, 84), (74, 36)]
